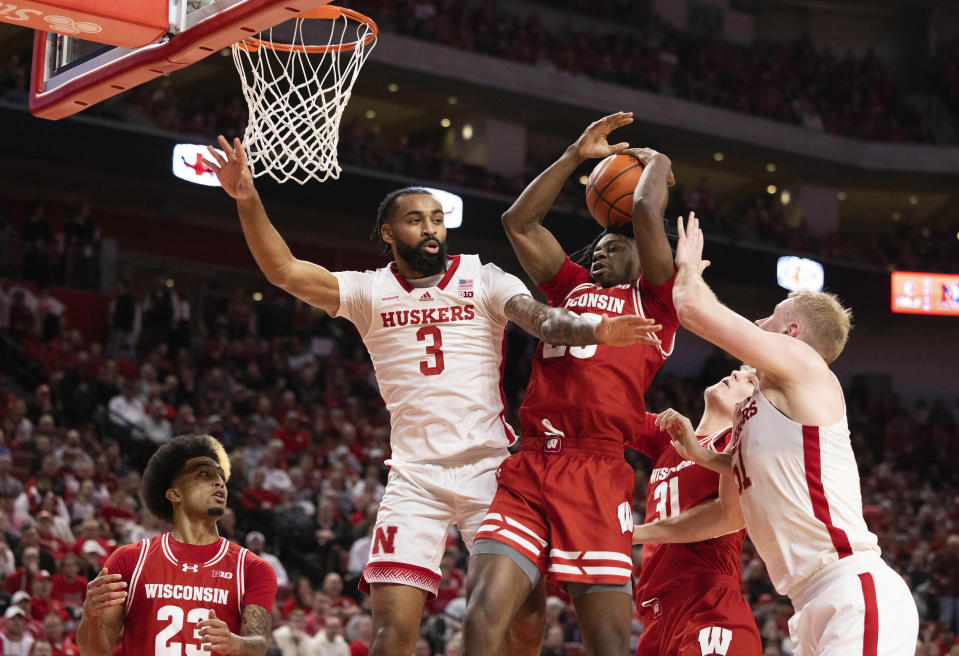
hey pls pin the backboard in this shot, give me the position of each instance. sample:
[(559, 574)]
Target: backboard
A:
[(70, 74)]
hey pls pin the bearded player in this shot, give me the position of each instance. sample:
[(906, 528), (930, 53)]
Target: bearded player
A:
[(188, 590), (688, 595), (564, 504), (789, 475), (434, 328)]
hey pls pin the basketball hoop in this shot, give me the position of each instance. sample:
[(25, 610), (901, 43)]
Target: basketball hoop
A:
[(297, 78)]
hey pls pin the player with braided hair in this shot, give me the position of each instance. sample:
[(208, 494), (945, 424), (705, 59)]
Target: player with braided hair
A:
[(189, 588), (564, 504)]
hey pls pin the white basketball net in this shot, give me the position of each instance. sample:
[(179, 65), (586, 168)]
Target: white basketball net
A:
[(296, 99)]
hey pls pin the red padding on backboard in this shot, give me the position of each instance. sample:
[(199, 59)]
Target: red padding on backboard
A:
[(130, 23), (141, 65)]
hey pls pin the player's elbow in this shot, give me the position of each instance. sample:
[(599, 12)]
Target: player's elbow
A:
[(511, 222), (689, 312)]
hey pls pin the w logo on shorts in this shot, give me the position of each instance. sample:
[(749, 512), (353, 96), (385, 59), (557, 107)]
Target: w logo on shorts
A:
[(714, 640)]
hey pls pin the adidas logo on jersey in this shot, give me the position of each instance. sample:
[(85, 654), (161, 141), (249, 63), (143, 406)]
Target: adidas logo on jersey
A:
[(426, 297)]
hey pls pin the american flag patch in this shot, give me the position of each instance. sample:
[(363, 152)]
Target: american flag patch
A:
[(465, 288)]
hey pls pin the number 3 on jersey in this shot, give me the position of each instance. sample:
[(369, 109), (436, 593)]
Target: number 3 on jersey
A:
[(433, 349), (174, 614)]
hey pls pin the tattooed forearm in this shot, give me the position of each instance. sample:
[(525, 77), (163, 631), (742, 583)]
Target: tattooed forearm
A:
[(255, 627), (552, 325)]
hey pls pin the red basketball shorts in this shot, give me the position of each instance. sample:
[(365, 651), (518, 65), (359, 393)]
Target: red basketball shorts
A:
[(706, 615), (566, 505)]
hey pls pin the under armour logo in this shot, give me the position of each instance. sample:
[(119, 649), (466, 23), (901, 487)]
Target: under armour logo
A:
[(66, 25), (191, 568), (714, 640)]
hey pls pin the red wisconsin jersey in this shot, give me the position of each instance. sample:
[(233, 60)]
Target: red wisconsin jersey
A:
[(677, 485), (597, 391), (173, 586)]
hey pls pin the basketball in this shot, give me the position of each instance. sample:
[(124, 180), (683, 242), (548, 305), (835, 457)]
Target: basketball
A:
[(609, 192)]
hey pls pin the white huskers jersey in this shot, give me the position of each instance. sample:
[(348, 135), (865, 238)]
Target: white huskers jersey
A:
[(799, 492), (438, 356)]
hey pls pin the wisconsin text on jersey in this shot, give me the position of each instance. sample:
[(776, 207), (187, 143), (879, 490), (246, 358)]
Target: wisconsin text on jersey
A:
[(444, 314), (186, 592), (662, 473), (598, 301)]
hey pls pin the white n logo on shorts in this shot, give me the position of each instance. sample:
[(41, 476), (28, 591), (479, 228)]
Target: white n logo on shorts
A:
[(714, 640)]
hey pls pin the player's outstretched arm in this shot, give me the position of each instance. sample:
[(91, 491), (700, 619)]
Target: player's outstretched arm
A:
[(535, 246), (305, 280), (649, 214), (781, 357), (254, 638), (559, 326), (684, 440), (103, 612), (703, 522)]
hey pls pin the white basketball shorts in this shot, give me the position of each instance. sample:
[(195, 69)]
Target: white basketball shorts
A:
[(858, 606), (420, 504)]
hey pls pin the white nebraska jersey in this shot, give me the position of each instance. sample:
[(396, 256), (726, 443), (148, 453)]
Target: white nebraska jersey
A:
[(438, 356), (799, 492)]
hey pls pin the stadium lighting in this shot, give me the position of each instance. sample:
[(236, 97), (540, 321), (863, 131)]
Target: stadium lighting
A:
[(452, 206), (799, 274)]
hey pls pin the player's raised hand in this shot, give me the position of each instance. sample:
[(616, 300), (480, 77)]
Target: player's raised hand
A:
[(231, 169), (103, 592), (216, 636), (681, 434), (627, 330), (646, 155), (592, 143), (689, 245)]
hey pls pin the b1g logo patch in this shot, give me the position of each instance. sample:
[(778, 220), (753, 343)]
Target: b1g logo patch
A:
[(218, 574), (714, 640)]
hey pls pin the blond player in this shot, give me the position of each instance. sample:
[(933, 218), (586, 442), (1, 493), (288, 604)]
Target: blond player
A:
[(434, 327), (791, 465)]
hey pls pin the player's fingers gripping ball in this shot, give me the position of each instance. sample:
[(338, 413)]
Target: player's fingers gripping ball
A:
[(609, 192)]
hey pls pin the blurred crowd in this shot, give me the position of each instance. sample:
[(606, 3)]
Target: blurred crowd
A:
[(292, 395), (50, 243), (797, 83), (763, 219)]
